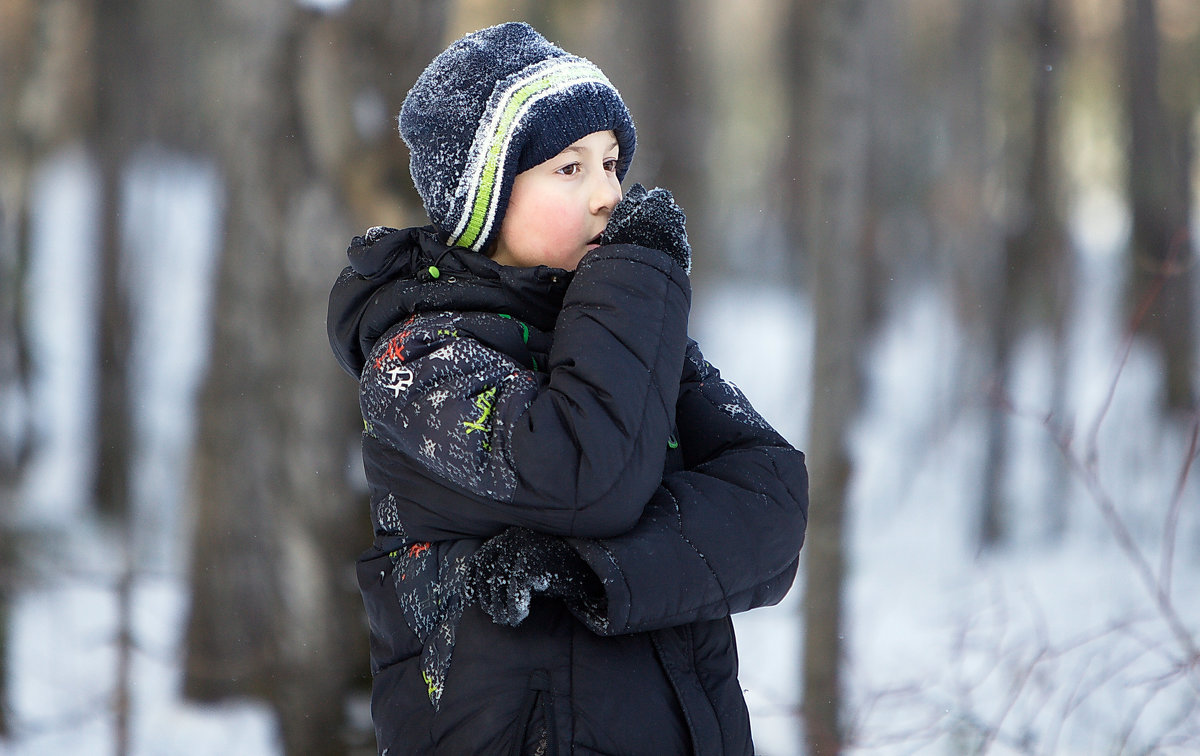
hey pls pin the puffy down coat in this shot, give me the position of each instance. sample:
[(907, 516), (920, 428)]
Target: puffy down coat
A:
[(574, 404)]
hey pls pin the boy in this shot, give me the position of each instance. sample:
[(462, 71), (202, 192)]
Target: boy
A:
[(568, 501)]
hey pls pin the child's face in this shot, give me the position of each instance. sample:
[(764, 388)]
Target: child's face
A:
[(558, 208)]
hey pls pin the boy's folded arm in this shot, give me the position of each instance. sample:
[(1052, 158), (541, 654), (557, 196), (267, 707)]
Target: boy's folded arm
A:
[(596, 438), (575, 451), (714, 541), (721, 537)]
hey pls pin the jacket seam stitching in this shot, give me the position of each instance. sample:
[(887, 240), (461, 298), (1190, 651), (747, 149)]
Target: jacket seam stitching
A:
[(621, 572), (786, 485), (692, 546)]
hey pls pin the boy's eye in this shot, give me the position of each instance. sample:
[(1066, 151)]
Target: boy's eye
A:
[(610, 165), (569, 170)]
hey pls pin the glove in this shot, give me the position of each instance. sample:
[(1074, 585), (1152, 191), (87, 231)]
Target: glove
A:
[(509, 568), (374, 234), (650, 219)]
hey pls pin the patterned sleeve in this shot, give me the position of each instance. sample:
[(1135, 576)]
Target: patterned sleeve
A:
[(446, 400)]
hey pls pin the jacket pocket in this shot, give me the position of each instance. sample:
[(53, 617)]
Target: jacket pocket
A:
[(538, 737)]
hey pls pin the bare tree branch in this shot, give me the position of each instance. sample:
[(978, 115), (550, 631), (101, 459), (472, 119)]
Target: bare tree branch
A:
[(1171, 524)]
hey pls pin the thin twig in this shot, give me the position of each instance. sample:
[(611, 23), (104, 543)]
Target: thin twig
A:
[(1092, 447), (1086, 469), (1134, 554), (1170, 526)]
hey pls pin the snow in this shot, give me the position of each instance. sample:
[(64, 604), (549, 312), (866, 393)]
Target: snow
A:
[(63, 654), (65, 228), (63, 662), (170, 228), (1038, 647), (324, 6)]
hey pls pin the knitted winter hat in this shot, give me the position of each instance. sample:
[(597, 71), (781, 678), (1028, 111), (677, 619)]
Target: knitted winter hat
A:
[(495, 103)]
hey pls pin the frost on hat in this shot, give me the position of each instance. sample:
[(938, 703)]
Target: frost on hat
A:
[(493, 104)]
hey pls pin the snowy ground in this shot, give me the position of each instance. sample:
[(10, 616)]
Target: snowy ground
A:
[(1041, 648)]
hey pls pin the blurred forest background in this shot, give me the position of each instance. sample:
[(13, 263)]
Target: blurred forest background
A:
[(177, 182)]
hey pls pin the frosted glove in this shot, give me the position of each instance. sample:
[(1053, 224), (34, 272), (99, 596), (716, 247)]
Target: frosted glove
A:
[(650, 219), (374, 234), (360, 244), (512, 566)]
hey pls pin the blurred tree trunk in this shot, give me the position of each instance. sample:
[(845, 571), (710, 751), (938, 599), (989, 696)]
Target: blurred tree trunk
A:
[(840, 299), (14, 397), (1159, 185), (1047, 258), (977, 250), (971, 234), (45, 101), (659, 64), (115, 133), (798, 40), (300, 106), (1034, 289), (676, 117), (118, 59), (796, 181), (263, 622), (17, 21)]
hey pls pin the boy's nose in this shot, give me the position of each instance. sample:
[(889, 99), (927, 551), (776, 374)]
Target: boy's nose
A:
[(606, 196)]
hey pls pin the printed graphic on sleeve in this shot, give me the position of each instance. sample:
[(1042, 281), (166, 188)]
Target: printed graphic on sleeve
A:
[(447, 401), (483, 424)]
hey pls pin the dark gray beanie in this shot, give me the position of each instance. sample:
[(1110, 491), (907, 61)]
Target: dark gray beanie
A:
[(495, 103)]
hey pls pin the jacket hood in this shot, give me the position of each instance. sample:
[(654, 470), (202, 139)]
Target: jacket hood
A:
[(394, 274)]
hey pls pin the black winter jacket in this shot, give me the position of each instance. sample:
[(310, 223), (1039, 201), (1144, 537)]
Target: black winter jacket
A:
[(572, 404)]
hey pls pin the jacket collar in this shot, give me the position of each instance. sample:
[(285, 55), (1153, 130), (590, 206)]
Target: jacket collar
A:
[(402, 273)]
